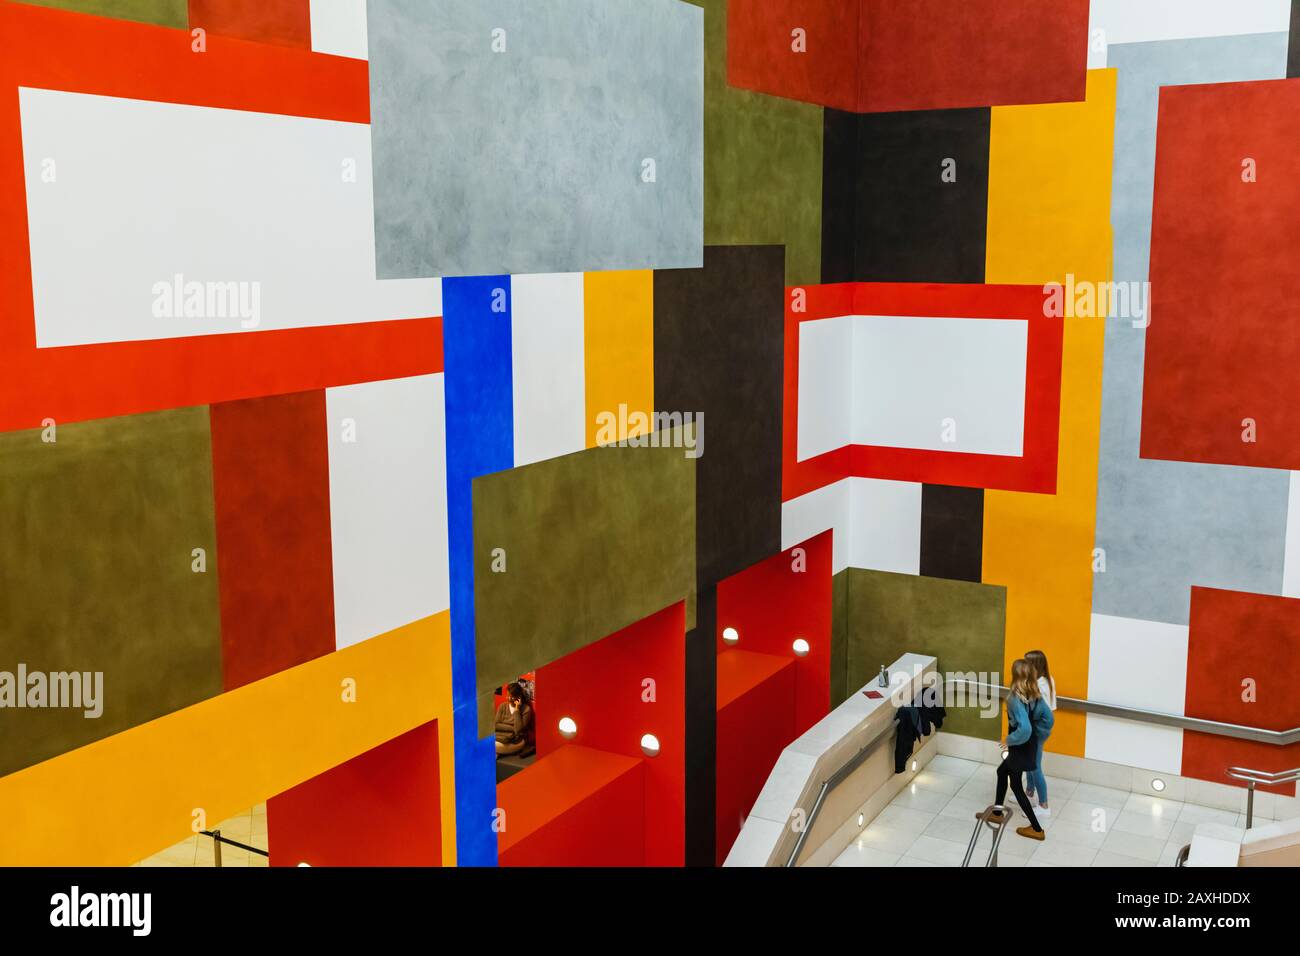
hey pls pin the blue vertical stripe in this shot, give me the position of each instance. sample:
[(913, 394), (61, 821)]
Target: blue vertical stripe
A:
[(480, 440)]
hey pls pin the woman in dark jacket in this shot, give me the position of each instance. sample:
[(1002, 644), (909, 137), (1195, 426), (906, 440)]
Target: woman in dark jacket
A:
[(513, 721)]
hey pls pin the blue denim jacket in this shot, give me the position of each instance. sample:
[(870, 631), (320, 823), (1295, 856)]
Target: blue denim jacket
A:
[(1020, 720)]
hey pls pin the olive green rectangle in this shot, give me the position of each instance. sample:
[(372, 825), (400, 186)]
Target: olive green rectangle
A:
[(570, 550), (839, 638), (962, 624), (98, 530), (762, 163), (166, 13)]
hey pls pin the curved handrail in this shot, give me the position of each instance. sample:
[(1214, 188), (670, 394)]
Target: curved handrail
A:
[(886, 732), (1218, 728), (1198, 724), (1266, 777)]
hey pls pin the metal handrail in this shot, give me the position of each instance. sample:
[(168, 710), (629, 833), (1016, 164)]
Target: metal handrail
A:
[(1102, 709), (1254, 777), (218, 839), (886, 732), (1200, 725)]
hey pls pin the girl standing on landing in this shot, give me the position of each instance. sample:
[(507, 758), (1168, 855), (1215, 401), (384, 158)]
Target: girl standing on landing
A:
[(1027, 718), (1036, 783)]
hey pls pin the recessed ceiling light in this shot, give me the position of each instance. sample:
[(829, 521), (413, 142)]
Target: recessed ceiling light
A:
[(801, 647), (568, 729), (1158, 785), (730, 635), (650, 745)]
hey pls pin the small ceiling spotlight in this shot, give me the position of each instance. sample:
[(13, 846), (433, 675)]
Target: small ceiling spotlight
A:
[(568, 729), (730, 635), (1158, 785), (650, 745), (801, 647)]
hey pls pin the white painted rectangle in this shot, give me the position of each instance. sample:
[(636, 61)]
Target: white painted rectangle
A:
[(339, 27), (825, 385), (547, 354), (1138, 664), (827, 508), (388, 504), (940, 384), (124, 195), (885, 525)]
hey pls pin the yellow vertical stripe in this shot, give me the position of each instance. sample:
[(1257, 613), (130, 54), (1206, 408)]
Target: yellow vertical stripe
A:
[(125, 797), (1049, 216), (619, 345)]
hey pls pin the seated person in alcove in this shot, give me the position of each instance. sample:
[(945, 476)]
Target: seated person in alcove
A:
[(513, 721)]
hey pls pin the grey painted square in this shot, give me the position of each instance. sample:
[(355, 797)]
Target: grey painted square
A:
[(531, 159), (1166, 525)]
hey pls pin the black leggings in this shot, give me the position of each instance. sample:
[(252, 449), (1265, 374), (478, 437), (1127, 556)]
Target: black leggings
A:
[(1007, 775)]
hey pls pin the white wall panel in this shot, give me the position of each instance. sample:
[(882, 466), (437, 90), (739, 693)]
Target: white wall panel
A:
[(885, 525), (388, 504), (825, 385), (339, 27), (820, 510), (549, 373), (143, 192), (912, 374), (1139, 664)]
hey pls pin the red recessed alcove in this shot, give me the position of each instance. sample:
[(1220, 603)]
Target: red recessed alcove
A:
[(382, 808), (598, 799), (767, 694)]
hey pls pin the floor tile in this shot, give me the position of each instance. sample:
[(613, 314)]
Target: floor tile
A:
[(1143, 824), (904, 818), (1064, 854), (1147, 849), (940, 852), (858, 855), (917, 798), (886, 839), (1100, 796), (953, 766), (1106, 859)]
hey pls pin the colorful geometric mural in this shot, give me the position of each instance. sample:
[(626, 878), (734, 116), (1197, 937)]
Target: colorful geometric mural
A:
[(687, 359)]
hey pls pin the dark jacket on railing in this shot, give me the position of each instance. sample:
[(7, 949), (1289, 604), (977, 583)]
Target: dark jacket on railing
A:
[(914, 722)]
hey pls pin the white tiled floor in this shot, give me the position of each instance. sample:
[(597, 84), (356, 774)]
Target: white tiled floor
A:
[(930, 823)]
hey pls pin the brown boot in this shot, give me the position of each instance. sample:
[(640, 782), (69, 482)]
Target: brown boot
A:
[(1031, 833)]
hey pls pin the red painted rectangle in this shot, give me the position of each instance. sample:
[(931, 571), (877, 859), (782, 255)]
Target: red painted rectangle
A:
[(287, 22), (382, 808), (949, 54), (785, 598), (109, 57), (575, 807), (765, 52), (752, 731), (877, 56), (1243, 667), (603, 688), (1224, 344), (1032, 471), (270, 477)]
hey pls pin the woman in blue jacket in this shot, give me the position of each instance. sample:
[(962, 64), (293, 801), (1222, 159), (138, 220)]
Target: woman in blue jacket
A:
[(1028, 720)]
